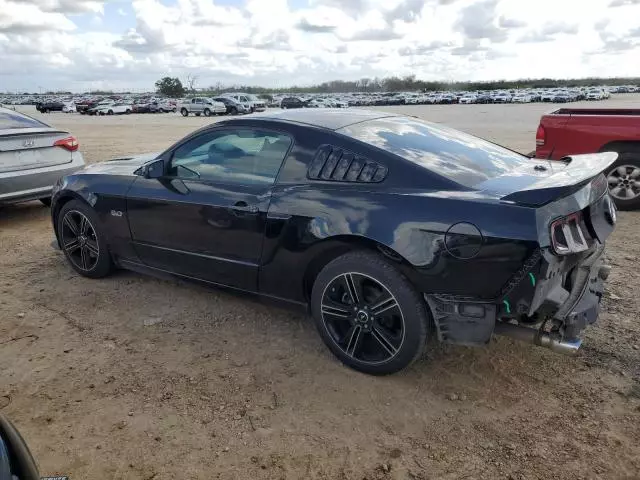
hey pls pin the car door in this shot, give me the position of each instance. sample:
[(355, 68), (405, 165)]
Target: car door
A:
[(205, 217)]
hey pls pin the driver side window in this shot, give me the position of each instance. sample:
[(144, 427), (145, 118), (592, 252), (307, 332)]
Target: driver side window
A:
[(240, 156)]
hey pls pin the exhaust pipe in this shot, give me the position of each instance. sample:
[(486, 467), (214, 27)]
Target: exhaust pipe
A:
[(542, 339)]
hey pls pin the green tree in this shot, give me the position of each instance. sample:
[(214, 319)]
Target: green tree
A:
[(170, 87)]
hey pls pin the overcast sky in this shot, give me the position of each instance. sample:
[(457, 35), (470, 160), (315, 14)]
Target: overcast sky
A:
[(82, 44)]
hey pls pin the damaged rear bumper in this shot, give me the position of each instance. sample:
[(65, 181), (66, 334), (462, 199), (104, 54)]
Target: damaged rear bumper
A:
[(565, 298)]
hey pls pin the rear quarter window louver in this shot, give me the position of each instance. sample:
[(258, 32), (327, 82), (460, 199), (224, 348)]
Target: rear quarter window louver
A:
[(338, 165)]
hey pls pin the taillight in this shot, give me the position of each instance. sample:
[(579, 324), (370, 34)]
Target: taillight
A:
[(567, 235), (69, 143), (540, 136)]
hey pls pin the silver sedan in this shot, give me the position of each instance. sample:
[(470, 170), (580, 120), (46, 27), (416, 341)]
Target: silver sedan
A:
[(33, 156)]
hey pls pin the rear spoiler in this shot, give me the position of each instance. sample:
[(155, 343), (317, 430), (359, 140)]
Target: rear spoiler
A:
[(570, 174)]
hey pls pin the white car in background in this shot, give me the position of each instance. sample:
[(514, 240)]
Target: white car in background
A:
[(548, 96), (595, 95), (114, 109), (502, 98), (317, 103), (69, 107), (255, 104), (168, 105), (521, 98), (33, 156), (468, 99)]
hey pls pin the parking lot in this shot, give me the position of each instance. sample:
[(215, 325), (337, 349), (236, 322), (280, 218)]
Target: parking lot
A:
[(137, 378)]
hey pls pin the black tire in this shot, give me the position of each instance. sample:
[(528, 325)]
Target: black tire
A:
[(184, 112), (110, 112), (94, 244), (127, 111), (233, 111), (207, 112), (46, 201), (411, 323), (626, 171)]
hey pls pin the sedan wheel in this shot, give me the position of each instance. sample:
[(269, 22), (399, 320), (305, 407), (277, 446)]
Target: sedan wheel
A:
[(81, 241), (624, 181), (368, 314)]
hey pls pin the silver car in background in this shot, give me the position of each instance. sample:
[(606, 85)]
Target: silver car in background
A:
[(33, 156)]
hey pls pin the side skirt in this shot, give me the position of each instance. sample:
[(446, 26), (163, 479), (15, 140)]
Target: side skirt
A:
[(172, 276)]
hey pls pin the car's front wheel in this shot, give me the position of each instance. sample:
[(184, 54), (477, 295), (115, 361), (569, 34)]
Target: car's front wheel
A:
[(82, 240), (368, 313), (184, 112)]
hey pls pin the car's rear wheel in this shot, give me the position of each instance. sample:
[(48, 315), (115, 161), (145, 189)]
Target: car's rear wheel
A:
[(624, 181), (110, 112), (82, 241), (127, 111), (368, 313), (184, 112)]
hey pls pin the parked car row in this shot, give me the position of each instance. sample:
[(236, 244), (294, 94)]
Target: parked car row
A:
[(556, 95)]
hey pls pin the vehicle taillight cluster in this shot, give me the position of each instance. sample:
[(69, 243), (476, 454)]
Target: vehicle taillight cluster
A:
[(540, 136), (568, 234), (70, 143)]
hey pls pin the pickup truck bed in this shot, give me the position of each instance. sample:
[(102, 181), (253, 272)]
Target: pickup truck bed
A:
[(573, 131)]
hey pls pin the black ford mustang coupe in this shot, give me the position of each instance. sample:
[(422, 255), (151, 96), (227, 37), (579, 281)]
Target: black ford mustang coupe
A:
[(390, 229)]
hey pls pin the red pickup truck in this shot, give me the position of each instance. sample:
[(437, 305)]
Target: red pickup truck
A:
[(572, 131)]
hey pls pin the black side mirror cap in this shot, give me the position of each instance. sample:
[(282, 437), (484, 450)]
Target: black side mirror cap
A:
[(154, 169)]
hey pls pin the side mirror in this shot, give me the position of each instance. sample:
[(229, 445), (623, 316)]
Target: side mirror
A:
[(16, 460), (154, 169)]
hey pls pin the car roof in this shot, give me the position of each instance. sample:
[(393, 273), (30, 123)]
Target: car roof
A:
[(329, 118)]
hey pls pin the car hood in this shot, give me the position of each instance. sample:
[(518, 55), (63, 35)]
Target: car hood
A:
[(120, 166)]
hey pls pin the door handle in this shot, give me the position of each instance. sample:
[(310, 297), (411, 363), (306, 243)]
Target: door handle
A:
[(244, 207)]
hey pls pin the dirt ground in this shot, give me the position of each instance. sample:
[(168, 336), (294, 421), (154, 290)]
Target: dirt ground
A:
[(136, 378)]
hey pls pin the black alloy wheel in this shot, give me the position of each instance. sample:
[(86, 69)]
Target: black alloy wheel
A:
[(80, 238), (362, 317), (368, 313)]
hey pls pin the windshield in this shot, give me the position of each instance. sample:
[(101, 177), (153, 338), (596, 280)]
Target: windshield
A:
[(458, 156), (10, 120)]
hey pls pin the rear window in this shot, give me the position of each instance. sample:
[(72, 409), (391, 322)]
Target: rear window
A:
[(463, 158), (10, 120)]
